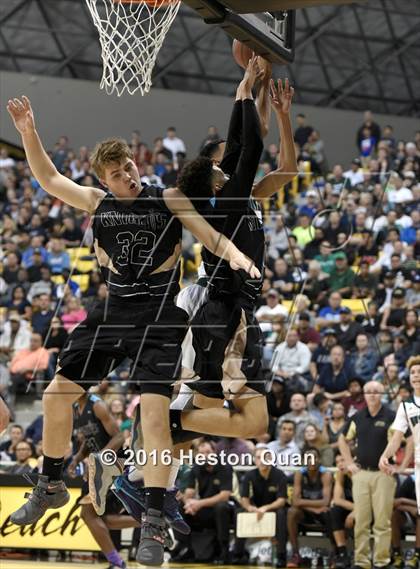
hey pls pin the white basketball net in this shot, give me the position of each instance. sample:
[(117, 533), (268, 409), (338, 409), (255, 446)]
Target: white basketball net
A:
[(131, 34)]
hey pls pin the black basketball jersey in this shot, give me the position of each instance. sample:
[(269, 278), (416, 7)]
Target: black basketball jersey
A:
[(90, 426), (311, 489), (132, 241), (244, 227)]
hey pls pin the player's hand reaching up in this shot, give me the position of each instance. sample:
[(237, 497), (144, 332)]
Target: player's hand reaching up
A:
[(21, 112), (252, 73), (281, 96)]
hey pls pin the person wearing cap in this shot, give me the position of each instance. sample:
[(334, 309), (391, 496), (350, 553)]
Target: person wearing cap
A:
[(15, 336), (342, 277), (384, 291), (334, 377), (354, 176), (413, 293), (347, 329), (270, 311), (321, 356), (394, 314), (373, 490)]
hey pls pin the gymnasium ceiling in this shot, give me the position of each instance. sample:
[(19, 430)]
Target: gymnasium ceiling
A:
[(349, 57)]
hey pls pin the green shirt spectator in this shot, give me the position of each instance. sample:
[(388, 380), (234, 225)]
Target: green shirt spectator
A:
[(326, 258), (341, 277)]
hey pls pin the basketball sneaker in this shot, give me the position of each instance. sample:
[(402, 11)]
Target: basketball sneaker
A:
[(101, 477), (45, 495), (131, 494), (152, 541), (413, 562)]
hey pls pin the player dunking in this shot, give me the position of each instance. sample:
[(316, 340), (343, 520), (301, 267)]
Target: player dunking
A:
[(232, 367), (137, 233)]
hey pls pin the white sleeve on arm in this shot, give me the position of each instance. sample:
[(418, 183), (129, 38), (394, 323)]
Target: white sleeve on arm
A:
[(401, 422)]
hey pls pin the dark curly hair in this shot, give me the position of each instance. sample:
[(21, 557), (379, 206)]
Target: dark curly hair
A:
[(211, 147), (195, 181)]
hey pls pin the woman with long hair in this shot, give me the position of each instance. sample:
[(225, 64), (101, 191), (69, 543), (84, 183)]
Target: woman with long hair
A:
[(314, 438)]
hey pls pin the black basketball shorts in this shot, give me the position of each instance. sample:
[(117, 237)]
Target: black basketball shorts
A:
[(150, 335), (228, 345)]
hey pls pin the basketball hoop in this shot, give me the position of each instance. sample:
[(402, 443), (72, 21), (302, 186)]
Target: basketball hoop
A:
[(131, 33)]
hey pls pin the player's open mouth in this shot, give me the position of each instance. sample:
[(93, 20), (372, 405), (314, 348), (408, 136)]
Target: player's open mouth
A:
[(133, 187)]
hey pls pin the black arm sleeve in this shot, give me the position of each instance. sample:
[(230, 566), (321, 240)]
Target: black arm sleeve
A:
[(241, 183), (233, 142)]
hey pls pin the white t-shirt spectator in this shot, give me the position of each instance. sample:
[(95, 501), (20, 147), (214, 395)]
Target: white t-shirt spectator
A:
[(292, 360), (174, 145), (354, 177), (400, 196), (269, 313)]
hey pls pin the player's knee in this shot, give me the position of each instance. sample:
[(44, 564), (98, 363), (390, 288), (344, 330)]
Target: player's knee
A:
[(61, 390)]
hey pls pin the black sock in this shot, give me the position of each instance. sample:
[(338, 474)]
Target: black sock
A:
[(341, 549), (53, 468), (154, 498), (175, 419), (418, 551)]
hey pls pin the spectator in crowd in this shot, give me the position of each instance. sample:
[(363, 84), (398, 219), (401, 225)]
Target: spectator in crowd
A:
[(44, 286), (312, 490), (299, 415), (330, 314), (27, 363), (306, 333), (73, 314), (347, 329), (173, 143), (303, 130), (341, 276), (18, 302), (25, 462), (394, 314), (334, 377), (11, 268), (284, 447), (355, 401), (368, 122), (354, 176), (263, 490), (334, 425), (291, 361), (365, 283), (342, 512), (42, 317), (364, 359), (322, 354), (15, 336), (282, 279), (277, 399), (373, 491), (206, 503), (303, 231), (267, 313), (313, 438), (58, 258), (8, 447)]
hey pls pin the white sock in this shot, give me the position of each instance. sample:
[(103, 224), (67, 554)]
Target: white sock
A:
[(173, 473), (134, 474)]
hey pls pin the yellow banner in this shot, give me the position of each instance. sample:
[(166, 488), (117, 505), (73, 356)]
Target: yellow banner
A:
[(57, 529)]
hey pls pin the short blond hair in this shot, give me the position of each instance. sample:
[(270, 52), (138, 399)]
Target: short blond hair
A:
[(109, 151), (413, 361)]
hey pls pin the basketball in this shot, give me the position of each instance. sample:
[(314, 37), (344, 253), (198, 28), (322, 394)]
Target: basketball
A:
[(242, 53)]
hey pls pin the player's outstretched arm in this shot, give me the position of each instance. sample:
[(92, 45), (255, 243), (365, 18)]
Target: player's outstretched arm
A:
[(281, 99), (214, 241), (262, 100), (42, 168)]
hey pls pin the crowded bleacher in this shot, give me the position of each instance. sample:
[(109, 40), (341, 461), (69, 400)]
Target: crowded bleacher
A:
[(340, 307)]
